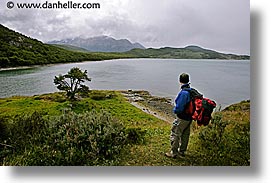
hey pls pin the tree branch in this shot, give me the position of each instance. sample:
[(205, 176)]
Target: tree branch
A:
[(6, 145)]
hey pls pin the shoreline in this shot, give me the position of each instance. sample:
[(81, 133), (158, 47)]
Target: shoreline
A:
[(18, 68), (160, 107), (50, 64)]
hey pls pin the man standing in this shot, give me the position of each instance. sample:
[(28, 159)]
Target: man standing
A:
[(180, 131)]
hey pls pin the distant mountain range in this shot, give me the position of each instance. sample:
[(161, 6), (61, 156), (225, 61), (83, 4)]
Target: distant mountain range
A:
[(100, 44), (108, 44)]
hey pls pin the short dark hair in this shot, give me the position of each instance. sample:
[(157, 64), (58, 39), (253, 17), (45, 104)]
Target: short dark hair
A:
[(184, 78)]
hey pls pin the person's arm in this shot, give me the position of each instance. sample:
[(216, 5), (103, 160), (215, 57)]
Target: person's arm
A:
[(181, 101)]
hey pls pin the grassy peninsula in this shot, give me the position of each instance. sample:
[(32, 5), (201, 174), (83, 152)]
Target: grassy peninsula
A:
[(188, 52), (104, 128)]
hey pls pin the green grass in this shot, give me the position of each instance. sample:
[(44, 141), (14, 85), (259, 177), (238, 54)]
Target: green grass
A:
[(53, 104), (18, 105), (150, 152)]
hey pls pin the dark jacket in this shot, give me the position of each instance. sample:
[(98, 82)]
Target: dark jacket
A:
[(181, 100)]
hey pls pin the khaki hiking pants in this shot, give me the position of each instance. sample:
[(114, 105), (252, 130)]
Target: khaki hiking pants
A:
[(179, 137)]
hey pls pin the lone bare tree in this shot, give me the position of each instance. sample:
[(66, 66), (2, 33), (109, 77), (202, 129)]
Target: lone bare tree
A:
[(72, 82)]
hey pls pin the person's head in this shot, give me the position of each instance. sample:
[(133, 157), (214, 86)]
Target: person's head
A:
[(184, 78)]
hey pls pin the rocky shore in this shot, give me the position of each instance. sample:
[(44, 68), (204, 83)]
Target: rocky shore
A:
[(160, 107)]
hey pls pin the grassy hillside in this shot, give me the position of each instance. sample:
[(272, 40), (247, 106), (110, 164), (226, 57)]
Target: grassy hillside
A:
[(105, 129), (189, 52), (70, 47), (19, 50)]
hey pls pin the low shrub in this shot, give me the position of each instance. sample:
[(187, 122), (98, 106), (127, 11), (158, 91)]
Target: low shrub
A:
[(135, 135), (27, 129), (3, 128), (56, 97), (90, 138), (225, 143), (99, 95), (3, 135)]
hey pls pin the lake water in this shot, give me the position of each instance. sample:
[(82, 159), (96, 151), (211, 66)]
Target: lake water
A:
[(224, 81)]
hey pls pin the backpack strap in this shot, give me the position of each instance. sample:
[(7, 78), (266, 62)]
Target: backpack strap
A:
[(193, 93)]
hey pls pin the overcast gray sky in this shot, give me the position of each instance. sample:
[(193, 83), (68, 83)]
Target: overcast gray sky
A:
[(222, 25)]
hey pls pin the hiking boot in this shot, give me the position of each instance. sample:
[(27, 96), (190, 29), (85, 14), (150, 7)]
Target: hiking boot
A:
[(181, 154), (170, 155)]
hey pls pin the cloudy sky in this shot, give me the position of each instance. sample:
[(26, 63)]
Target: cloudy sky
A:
[(223, 25)]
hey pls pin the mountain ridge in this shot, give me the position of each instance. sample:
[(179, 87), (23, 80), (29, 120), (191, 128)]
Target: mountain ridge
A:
[(17, 49), (99, 44), (188, 52)]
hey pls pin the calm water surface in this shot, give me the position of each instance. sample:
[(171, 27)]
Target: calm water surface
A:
[(226, 82)]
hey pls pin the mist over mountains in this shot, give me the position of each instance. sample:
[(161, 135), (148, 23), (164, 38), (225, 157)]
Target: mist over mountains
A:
[(100, 44)]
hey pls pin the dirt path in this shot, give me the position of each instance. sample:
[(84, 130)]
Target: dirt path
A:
[(157, 106)]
